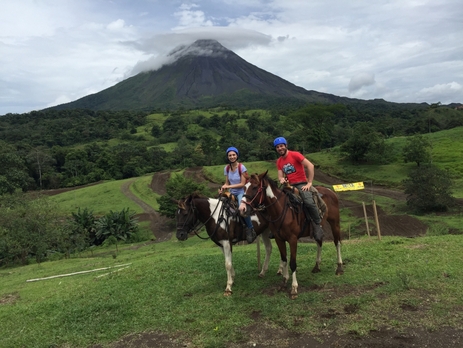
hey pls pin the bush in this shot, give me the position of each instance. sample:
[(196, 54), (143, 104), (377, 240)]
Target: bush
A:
[(428, 189), (178, 187), (30, 227)]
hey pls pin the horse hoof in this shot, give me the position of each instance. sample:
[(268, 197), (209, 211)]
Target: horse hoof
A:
[(227, 293), (316, 270), (261, 275), (339, 272), (293, 297)]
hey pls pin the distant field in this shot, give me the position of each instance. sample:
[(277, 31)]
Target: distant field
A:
[(447, 153), (99, 198)]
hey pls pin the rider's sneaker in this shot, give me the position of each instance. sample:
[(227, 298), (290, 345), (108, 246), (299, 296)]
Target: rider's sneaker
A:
[(317, 233), (250, 235)]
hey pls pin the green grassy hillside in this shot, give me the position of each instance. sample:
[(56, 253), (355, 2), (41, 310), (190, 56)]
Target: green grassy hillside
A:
[(99, 198), (447, 154), (176, 289)]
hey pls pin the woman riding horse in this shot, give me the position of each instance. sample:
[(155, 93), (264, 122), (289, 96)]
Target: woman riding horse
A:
[(223, 227)]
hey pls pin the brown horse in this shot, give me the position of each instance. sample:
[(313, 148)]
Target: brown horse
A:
[(222, 226), (288, 222)]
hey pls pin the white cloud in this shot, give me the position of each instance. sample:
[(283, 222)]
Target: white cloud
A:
[(447, 91), (189, 18), (402, 51), (159, 46), (361, 80)]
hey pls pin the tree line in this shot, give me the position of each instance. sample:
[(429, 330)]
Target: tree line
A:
[(64, 148)]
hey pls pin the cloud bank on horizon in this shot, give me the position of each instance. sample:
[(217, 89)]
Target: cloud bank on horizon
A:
[(53, 51)]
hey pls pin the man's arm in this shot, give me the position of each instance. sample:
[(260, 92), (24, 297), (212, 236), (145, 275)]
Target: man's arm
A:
[(309, 167), (281, 177)]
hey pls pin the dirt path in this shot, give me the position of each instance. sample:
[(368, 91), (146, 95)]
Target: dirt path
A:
[(159, 225)]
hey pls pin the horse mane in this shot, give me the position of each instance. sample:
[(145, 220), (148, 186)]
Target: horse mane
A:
[(272, 182), (195, 195)]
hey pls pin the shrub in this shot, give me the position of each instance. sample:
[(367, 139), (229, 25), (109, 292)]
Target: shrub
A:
[(428, 189)]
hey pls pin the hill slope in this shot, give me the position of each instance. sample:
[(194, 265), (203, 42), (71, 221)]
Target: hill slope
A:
[(205, 74)]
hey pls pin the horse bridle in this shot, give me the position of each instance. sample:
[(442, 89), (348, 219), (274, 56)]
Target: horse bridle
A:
[(261, 206), (192, 212)]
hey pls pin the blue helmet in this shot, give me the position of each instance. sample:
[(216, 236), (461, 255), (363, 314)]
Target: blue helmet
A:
[(233, 149), (279, 140)]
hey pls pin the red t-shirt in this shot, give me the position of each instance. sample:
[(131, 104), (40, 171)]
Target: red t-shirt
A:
[(291, 165)]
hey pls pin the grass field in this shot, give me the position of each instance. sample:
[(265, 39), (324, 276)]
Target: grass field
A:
[(99, 198), (177, 288), (447, 154)]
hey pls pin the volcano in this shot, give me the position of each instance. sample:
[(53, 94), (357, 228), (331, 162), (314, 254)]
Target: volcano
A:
[(203, 74)]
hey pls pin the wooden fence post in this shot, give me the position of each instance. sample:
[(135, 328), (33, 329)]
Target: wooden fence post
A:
[(366, 218), (377, 220)]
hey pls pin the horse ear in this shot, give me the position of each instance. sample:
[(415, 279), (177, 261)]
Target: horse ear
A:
[(263, 175), (181, 205)]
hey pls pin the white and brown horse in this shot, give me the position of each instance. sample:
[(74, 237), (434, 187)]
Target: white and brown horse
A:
[(223, 228), (288, 222)]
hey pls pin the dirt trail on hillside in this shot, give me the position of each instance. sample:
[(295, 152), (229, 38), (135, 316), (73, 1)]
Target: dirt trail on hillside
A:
[(159, 225)]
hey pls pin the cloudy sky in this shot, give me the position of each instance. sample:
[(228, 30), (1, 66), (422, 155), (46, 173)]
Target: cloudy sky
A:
[(56, 51)]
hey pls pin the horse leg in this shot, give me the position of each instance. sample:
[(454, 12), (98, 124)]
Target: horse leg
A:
[(318, 260), (283, 270), (268, 252), (227, 252), (293, 265), (336, 229)]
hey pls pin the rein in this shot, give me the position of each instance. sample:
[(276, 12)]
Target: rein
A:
[(198, 225), (262, 207)]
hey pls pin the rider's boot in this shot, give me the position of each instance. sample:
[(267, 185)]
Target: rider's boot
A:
[(250, 235), (317, 233)]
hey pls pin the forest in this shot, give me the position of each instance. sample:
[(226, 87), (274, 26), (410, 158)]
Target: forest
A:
[(64, 148)]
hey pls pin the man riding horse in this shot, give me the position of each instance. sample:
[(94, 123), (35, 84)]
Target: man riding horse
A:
[(292, 167)]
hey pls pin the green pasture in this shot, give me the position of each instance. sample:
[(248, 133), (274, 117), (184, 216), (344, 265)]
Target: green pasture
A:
[(140, 187), (447, 154), (177, 288), (100, 198)]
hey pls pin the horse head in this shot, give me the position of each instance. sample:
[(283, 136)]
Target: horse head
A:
[(186, 217), (259, 188)]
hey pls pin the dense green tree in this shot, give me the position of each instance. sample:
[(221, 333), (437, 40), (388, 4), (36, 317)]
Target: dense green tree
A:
[(41, 160), (13, 170), (209, 147), (254, 122), (317, 124), (417, 149), (362, 140), (29, 227), (156, 131), (429, 189), (178, 187), (76, 166)]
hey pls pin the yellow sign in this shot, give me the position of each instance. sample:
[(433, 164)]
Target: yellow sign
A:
[(349, 187)]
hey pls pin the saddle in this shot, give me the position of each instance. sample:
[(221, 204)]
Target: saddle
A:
[(231, 209), (230, 202), (296, 199), (231, 206)]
